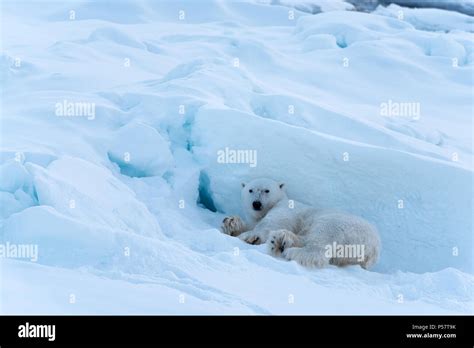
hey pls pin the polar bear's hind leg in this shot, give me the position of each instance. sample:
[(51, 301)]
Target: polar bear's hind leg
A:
[(371, 258), (307, 257)]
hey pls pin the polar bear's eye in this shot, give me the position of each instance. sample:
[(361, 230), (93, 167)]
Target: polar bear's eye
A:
[(267, 191), (250, 190)]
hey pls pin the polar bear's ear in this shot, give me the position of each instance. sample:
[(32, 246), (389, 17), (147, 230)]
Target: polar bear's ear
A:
[(243, 184), (281, 185)]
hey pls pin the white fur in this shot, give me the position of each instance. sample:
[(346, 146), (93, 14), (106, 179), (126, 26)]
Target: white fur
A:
[(295, 231)]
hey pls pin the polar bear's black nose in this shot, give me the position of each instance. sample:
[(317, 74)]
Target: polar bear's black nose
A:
[(257, 205)]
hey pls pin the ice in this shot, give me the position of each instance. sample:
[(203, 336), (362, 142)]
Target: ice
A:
[(16, 187), (462, 6), (430, 19), (125, 202), (312, 6), (14, 176), (9, 204), (140, 150), (62, 241), (66, 185)]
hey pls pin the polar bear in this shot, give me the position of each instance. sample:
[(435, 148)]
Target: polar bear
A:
[(295, 231)]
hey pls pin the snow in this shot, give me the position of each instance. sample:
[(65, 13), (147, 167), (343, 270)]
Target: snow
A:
[(124, 200), (14, 176), (461, 6), (139, 150), (429, 18), (312, 6), (67, 187)]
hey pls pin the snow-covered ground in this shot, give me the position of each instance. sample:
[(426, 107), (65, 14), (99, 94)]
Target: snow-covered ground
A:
[(113, 113)]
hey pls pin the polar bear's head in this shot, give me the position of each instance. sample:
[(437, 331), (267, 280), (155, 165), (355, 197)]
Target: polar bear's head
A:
[(260, 195)]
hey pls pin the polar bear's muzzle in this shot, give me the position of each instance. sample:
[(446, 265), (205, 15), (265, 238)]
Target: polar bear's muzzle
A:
[(257, 205)]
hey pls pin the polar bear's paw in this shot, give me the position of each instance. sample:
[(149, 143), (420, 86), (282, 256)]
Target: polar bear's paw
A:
[(280, 240), (232, 225), (310, 259), (251, 238)]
